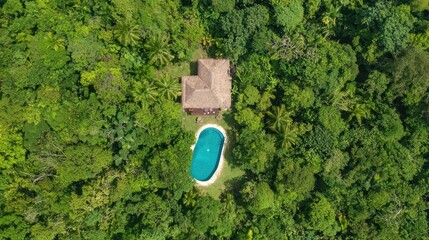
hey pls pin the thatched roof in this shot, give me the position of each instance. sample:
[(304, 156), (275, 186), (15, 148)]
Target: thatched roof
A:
[(211, 88)]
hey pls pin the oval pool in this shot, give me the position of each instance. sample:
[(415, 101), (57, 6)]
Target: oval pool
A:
[(207, 154)]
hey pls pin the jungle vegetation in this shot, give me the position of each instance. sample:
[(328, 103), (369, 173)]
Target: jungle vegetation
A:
[(330, 119)]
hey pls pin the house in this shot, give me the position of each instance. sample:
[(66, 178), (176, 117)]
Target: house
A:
[(210, 90)]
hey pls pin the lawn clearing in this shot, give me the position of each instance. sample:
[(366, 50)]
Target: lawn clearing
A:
[(186, 68), (189, 123), (228, 173)]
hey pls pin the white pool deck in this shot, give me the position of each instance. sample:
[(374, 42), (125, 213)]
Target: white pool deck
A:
[(222, 158)]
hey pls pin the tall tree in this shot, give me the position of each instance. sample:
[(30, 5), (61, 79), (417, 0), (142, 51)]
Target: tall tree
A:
[(410, 76), (279, 118), (168, 87), (127, 33), (158, 50)]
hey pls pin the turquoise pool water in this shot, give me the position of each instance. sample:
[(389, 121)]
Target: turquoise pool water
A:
[(207, 153)]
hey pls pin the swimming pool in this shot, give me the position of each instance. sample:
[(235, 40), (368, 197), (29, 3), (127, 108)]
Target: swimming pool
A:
[(207, 154)]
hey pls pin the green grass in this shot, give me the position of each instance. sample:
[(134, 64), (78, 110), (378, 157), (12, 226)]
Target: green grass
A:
[(218, 186), (189, 122), (185, 68)]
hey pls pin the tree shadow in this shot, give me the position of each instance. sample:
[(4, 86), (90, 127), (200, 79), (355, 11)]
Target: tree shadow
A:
[(234, 186), (228, 117), (229, 148), (179, 98), (186, 3), (193, 68), (232, 138)]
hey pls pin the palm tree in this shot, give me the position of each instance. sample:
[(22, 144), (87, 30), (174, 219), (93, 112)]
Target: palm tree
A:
[(342, 100), (278, 118), (208, 41), (361, 110), (189, 198), (127, 33), (55, 42), (158, 50), (144, 92), (228, 201), (288, 135), (329, 19), (168, 87), (265, 102)]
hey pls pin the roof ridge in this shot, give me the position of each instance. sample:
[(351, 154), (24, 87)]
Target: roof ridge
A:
[(208, 90), (216, 90)]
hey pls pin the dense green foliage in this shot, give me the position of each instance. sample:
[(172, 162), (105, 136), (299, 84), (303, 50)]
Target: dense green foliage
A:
[(330, 119)]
